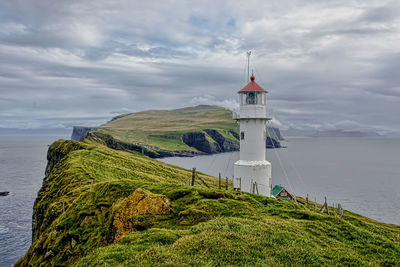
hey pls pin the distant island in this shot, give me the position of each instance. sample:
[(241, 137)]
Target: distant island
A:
[(179, 132), (343, 133), (293, 132)]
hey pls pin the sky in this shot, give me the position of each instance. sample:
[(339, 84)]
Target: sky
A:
[(326, 64)]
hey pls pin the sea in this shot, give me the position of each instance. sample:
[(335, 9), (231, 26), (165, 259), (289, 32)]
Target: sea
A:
[(362, 174), (22, 165)]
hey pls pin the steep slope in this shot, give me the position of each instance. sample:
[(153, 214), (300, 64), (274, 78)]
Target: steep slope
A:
[(102, 207), (180, 132)]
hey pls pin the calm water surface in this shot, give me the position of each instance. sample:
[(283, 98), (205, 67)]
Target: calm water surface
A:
[(22, 165), (361, 174)]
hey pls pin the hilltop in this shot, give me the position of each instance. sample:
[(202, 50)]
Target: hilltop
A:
[(179, 132), (103, 207)]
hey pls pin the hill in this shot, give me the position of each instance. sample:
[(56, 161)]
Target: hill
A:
[(103, 207), (179, 132)]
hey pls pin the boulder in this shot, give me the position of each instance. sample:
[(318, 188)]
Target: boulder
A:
[(136, 212)]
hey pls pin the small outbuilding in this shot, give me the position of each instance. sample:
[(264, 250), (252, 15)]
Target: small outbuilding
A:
[(279, 191)]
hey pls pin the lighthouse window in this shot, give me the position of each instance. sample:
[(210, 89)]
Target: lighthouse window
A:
[(241, 135), (251, 98)]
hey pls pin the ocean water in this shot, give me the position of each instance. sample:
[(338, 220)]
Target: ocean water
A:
[(22, 165), (362, 174)]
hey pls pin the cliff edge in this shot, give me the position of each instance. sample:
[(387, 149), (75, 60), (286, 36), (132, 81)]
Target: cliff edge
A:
[(103, 207)]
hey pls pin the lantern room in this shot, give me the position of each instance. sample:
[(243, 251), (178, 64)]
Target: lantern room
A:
[(252, 94)]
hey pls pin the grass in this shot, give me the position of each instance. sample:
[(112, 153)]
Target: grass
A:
[(163, 129), (206, 226)]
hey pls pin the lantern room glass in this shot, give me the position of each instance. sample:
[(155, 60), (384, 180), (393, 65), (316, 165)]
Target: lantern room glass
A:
[(252, 98)]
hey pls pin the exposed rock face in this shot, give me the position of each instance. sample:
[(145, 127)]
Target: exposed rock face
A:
[(199, 141), (79, 133), (272, 143), (224, 144), (219, 143), (129, 216), (275, 133), (234, 134), (109, 141)]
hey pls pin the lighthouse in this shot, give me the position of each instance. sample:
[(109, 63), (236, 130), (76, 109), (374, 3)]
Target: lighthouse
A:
[(252, 172)]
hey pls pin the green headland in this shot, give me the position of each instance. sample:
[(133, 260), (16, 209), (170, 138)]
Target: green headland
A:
[(163, 128), (180, 132), (104, 207)]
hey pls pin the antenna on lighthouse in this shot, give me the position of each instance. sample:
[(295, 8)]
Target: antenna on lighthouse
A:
[(248, 65)]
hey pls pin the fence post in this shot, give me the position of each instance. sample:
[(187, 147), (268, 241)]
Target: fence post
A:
[(219, 179), (325, 206), (341, 212), (193, 176), (226, 183), (240, 183)]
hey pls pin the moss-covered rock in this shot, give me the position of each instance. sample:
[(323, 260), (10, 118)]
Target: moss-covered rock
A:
[(130, 215)]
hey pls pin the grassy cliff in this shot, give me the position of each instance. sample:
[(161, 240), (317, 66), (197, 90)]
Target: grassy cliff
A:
[(163, 128), (179, 132), (102, 207)]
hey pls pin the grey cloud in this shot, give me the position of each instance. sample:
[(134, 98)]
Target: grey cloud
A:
[(84, 62), (387, 13)]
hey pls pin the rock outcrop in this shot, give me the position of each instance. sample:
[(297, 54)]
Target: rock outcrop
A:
[(210, 141), (199, 141), (151, 152), (80, 132), (137, 211), (224, 144), (275, 133), (272, 143)]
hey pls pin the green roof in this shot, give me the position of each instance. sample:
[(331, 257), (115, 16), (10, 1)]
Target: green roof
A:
[(275, 191)]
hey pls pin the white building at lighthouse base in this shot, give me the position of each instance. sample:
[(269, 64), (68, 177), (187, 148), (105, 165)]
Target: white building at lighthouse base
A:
[(256, 176)]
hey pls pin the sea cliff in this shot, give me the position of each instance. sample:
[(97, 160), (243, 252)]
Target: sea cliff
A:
[(165, 133), (104, 207)]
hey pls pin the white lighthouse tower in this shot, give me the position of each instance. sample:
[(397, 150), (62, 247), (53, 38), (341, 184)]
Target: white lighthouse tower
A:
[(252, 172)]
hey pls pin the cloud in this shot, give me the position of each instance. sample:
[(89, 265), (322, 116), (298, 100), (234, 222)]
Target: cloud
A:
[(322, 62), (211, 100)]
